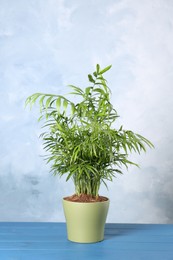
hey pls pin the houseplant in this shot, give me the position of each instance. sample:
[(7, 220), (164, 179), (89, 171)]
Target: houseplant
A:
[(83, 145)]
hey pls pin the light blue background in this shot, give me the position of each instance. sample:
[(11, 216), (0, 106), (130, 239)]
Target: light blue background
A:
[(47, 44)]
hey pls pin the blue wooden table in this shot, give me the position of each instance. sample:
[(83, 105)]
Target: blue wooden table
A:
[(47, 241)]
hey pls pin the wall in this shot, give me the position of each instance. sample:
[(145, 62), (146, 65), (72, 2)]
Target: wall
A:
[(47, 44)]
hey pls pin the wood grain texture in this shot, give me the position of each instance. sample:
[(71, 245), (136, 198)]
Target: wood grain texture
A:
[(47, 241)]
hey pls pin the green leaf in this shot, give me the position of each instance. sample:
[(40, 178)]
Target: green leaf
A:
[(145, 141), (104, 70), (41, 101), (77, 89), (32, 99), (59, 127), (98, 68), (58, 104), (95, 74), (87, 90), (69, 175), (100, 78), (91, 78), (65, 104), (40, 118), (99, 90), (48, 102), (72, 108)]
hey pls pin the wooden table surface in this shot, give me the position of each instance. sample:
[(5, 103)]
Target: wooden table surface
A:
[(40, 241)]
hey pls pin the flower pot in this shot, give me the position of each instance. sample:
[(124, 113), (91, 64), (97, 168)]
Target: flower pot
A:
[(85, 221)]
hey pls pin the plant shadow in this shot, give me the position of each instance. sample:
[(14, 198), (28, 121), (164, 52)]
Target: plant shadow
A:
[(116, 230)]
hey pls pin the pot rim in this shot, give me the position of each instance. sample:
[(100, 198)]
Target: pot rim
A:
[(91, 202)]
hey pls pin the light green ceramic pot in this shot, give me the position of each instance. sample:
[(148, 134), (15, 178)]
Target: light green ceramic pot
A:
[(85, 221)]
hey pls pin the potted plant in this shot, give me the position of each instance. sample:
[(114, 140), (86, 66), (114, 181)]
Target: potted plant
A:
[(83, 145)]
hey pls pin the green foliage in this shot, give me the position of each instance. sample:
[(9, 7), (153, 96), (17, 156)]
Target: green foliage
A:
[(79, 138)]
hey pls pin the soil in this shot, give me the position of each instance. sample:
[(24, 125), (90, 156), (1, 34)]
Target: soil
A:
[(85, 198)]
